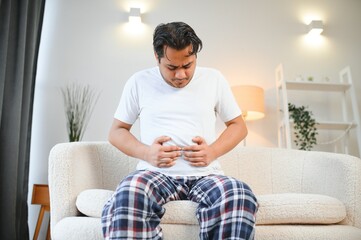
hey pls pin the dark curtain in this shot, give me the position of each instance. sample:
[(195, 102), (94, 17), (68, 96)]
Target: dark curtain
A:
[(20, 28)]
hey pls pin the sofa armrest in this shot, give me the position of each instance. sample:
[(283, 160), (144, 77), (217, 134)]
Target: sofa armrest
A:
[(77, 166)]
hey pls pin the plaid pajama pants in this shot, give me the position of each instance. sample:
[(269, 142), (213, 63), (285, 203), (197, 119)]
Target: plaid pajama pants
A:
[(226, 207)]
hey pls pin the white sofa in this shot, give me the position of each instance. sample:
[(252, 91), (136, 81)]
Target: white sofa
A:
[(302, 195)]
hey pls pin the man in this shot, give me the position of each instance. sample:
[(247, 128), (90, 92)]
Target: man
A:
[(177, 104)]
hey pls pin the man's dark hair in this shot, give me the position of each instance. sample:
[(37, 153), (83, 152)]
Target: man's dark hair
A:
[(177, 35)]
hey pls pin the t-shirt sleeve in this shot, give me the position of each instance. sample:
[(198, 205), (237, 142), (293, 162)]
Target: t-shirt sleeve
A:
[(128, 108), (226, 107)]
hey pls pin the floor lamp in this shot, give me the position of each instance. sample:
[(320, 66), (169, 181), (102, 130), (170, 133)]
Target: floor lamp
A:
[(251, 101)]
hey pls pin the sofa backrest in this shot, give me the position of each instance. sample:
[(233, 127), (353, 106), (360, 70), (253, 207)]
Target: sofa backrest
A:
[(266, 170), (279, 170)]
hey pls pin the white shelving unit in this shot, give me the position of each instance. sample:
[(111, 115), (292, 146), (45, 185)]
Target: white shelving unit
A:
[(350, 122)]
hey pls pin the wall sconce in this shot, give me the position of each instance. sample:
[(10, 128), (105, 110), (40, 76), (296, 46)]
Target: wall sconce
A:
[(134, 15), (315, 27), (251, 101)]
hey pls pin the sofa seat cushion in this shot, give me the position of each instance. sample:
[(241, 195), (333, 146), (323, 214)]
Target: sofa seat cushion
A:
[(286, 208), (307, 232), (296, 208), (180, 212), (76, 228)]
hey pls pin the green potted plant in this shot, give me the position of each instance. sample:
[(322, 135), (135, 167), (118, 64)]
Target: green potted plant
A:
[(304, 127), (79, 103)]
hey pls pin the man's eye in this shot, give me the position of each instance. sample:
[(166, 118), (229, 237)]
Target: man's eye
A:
[(187, 66)]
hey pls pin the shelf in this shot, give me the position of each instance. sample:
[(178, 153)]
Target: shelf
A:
[(342, 126), (317, 86), (335, 125)]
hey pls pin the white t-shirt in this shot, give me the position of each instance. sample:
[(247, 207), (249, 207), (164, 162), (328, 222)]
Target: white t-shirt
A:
[(180, 113)]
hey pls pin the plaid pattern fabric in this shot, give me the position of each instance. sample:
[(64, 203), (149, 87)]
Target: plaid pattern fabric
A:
[(226, 208)]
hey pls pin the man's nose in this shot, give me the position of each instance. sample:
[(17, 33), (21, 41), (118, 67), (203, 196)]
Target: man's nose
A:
[(180, 74)]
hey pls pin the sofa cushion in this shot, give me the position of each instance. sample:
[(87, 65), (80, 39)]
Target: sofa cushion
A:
[(296, 208), (90, 202), (286, 208)]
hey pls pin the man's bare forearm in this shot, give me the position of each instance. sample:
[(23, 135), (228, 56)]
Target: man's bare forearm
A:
[(235, 132), (156, 154), (125, 141)]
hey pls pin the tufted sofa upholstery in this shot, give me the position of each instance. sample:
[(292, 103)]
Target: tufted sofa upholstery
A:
[(302, 195)]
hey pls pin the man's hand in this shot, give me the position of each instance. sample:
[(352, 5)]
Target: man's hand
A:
[(200, 155), (162, 156)]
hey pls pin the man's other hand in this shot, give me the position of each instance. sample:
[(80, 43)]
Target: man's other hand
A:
[(199, 155)]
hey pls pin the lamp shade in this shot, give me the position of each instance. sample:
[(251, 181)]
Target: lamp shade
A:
[(251, 101)]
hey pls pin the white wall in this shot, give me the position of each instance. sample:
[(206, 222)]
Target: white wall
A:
[(86, 41)]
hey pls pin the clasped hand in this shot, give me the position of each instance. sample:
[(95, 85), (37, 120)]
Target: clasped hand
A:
[(198, 155)]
